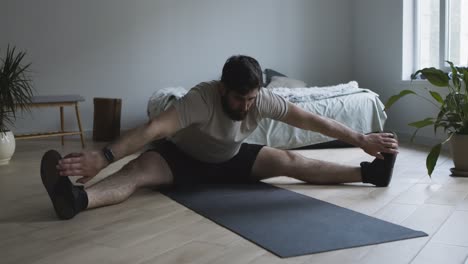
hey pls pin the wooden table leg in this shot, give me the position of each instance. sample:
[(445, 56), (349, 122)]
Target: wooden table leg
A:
[(79, 124), (62, 125)]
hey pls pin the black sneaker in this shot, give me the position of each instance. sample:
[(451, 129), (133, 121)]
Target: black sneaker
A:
[(63, 194), (379, 172)]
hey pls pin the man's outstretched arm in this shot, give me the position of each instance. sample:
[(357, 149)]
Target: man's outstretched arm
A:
[(89, 162), (166, 124), (373, 144)]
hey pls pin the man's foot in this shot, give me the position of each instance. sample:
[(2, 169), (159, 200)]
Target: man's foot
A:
[(68, 200), (379, 172)]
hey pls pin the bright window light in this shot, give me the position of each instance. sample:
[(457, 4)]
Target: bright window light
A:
[(441, 33)]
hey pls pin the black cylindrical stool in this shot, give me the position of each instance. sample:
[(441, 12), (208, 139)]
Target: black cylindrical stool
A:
[(106, 126)]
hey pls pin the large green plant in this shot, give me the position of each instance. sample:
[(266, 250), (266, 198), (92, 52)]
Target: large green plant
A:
[(452, 105), (16, 87)]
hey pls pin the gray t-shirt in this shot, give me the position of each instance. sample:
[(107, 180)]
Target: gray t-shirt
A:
[(208, 134)]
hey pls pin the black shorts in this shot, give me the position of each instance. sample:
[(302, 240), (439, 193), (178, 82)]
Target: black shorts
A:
[(187, 170)]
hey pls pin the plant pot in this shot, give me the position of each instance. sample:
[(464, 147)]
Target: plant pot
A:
[(459, 149), (7, 147)]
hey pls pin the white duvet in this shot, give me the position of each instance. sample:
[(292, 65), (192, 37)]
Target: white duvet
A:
[(358, 108)]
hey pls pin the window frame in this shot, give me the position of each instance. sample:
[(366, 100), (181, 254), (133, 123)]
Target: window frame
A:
[(444, 38)]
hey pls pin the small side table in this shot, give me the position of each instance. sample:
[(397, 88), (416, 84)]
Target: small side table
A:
[(57, 101)]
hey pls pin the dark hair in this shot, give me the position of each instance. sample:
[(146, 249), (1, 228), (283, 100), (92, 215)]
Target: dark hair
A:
[(242, 74)]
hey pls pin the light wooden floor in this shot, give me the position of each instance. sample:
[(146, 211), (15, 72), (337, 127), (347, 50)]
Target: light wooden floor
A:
[(150, 228)]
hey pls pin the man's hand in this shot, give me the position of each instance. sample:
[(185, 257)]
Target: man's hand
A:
[(86, 164), (374, 144)]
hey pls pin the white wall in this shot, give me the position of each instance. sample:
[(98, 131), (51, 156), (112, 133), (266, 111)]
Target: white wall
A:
[(378, 59), (128, 49)]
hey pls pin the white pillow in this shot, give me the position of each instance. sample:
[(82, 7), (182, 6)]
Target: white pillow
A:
[(348, 85), (279, 81)]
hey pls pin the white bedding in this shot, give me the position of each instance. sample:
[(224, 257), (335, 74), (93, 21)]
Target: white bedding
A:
[(358, 108)]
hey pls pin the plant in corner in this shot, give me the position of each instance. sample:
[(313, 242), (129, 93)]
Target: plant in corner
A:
[(452, 104), (16, 91)]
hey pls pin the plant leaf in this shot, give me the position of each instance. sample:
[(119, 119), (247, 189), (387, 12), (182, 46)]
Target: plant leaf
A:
[(432, 158), (435, 76), (454, 102), (443, 124), (397, 97), (414, 135), (465, 109), (16, 88), (440, 116), (453, 117), (455, 76), (465, 79), (422, 123), (437, 97)]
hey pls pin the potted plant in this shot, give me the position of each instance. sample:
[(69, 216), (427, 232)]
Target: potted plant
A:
[(15, 94), (452, 116)]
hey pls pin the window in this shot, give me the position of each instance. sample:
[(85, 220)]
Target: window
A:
[(441, 33)]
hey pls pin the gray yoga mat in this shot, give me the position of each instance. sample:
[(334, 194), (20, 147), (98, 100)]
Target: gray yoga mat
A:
[(284, 222)]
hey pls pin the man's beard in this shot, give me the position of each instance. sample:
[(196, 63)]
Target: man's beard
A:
[(232, 114)]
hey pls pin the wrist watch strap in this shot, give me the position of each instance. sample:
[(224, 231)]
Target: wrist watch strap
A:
[(108, 154)]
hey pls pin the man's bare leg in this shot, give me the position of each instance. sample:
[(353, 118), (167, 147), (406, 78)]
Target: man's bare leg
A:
[(148, 170), (272, 162)]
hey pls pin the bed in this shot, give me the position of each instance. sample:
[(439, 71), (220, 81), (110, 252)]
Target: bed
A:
[(358, 108)]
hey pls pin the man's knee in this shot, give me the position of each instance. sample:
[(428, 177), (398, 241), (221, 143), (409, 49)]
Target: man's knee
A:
[(152, 169), (275, 162), (291, 159)]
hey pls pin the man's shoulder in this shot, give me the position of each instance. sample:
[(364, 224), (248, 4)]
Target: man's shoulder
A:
[(209, 85), (271, 105), (266, 94), (206, 90)]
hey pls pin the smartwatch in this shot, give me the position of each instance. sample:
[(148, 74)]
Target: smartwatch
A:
[(108, 154)]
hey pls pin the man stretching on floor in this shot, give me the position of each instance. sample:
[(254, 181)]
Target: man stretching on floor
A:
[(200, 141)]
